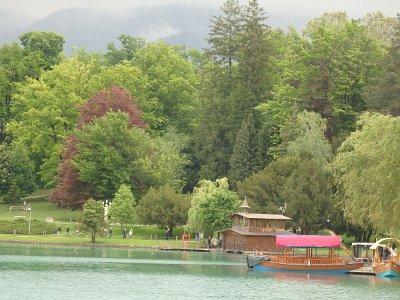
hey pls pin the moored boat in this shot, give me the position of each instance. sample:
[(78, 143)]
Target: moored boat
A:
[(384, 266), (312, 258)]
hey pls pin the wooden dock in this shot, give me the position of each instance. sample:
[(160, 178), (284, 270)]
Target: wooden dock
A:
[(183, 249), (366, 270)]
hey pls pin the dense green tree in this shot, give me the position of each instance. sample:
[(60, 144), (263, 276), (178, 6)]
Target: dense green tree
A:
[(129, 46), (329, 65), (122, 209), (263, 189), (211, 207), (45, 112), (379, 27), (16, 173), (255, 53), (123, 75), (170, 97), (366, 170), (165, 207), (106, 152), (93, 218), (305, 138), (224, 41), (214, 141), (15, 67), (243, 161), (71, 191), (49, 46), (111, 153), (301, 184), (382, 94), (307, 194)]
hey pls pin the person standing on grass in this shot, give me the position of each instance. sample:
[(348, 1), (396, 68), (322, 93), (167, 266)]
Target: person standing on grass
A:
[(124, 234), (67, 234), (110, 233)]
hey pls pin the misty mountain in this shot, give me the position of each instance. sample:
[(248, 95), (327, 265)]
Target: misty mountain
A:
[(92, 31)]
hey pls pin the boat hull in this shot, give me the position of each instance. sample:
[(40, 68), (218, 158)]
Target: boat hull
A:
[(388, 269), (320, 268)]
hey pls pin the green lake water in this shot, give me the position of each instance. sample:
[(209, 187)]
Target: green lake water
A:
[(48, 272)]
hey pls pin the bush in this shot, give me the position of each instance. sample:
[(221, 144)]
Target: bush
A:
[(22, 227)]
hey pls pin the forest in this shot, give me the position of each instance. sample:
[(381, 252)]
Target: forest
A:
[(308, 121)]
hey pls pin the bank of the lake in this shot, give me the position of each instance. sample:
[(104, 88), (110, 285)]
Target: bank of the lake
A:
[(61, 272)]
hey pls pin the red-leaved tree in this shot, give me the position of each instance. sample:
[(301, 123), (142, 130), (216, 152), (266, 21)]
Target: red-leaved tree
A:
[(70, 191)]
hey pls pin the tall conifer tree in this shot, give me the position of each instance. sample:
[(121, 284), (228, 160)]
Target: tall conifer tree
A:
[(243, 161), (214, 142)]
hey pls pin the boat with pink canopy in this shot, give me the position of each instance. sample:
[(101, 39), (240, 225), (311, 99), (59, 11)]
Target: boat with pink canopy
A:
[(311, 253)]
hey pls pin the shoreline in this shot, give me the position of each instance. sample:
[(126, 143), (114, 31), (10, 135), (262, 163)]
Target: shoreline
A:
[(101, 245), (90, 245)]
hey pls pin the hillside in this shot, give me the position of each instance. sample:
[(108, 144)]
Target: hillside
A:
[(175, 24)]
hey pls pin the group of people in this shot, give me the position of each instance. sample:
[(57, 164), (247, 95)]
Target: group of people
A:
[(214, 243), (124, 233), (390, 252), (130, 233), (67, 230)]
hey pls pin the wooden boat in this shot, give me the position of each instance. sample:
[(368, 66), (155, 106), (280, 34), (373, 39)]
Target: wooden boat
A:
[(309, 260), (390, 267)]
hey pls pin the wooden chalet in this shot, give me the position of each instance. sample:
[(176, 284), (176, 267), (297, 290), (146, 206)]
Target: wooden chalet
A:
[(252, 232)]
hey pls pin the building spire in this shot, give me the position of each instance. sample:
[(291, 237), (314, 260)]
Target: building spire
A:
[(245, 206)]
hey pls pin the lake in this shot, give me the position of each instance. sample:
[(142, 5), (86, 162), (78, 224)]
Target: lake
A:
[(49, 272)]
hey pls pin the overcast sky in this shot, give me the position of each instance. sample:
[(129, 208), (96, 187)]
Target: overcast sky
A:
[(304, 9)]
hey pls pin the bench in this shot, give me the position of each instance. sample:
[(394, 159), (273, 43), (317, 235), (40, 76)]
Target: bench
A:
[(17, 207)]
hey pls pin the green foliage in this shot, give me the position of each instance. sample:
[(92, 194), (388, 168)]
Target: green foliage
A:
[(366, 169), (301, 184), (212, 205), (93, 218), (16, 173), (45, 113), (111, 153), (243, 161), (327, 68), (122, 75), (165, 207), (170, 98), (224, 38), (382, 94), (307, 194), (129, 46), (122, 209), (307, 138), (49, 46)]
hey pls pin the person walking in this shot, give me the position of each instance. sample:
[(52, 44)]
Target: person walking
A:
[(67, 231), (209, 242), (124, 234)]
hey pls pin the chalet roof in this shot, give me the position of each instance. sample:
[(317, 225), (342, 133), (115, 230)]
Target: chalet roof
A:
[(262, 216), (256, 233)]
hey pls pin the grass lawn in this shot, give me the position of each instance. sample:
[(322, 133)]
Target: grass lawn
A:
[(41, 209), (144, 240), (143, 236)]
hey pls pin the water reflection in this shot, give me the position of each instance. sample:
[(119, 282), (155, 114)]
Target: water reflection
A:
[(98, 273)]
